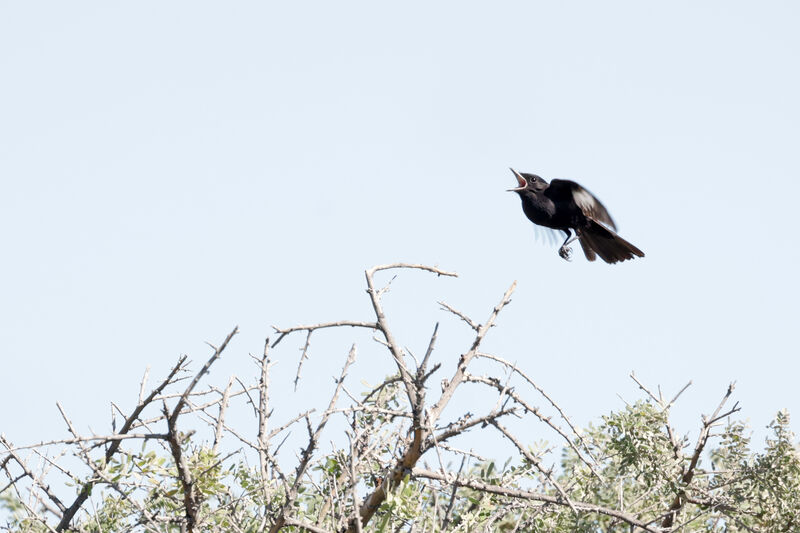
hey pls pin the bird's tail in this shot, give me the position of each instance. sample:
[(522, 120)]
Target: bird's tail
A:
[(596, 239)]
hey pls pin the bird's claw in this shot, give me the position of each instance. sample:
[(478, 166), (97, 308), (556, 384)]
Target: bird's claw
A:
[(565, 253)]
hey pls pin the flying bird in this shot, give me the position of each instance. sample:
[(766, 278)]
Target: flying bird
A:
[(564, 205)]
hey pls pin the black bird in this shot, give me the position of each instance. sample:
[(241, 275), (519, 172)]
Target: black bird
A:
[(564, 205)]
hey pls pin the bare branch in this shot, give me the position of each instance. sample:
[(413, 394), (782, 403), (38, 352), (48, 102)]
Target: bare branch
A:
[(457, 428), (424, 365), (223, 406), (391, 344), (173, 417), (313, 442), (461, 315), (352, 323), (534, 496), (93, 438), (305, 525), (191, 502), (263, 414), (678, 394), (547, 397), (36, 479), (645, 389), (458, 376), (451, 503), (535, 411), (353, 484), (427, 268), (535, 462), (414, 445), (112, 449), (688, 474), (143, 384), (303, 357)]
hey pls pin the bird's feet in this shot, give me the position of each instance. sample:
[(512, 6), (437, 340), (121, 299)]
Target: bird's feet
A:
[(565, 253)]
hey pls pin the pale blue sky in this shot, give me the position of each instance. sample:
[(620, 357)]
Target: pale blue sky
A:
[(170, 170)]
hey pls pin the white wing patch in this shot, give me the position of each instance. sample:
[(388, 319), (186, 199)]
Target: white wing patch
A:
[(585, 201), (592, 207)]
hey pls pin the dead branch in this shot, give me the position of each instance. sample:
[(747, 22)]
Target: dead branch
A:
[(458, 375), (383, 326), (533, 496), (191, 502), (223, 406), (689, 471), (546, 396), (114, 446), (33, 477), (176, 411), (313, 442), (494, 382), (352, 323), (548, 473), (472, 324), (461, 426), (263, 415), (305, 525), (414, 448)]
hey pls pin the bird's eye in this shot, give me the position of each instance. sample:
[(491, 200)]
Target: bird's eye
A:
[(533, 179)]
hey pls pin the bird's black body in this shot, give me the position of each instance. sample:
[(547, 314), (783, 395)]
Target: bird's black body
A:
[(564, 205)]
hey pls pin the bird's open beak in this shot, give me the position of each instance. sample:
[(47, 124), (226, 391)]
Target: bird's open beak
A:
[(520, 180)]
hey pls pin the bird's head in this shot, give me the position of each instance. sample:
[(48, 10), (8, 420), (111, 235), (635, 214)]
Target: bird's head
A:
[(528, 182)]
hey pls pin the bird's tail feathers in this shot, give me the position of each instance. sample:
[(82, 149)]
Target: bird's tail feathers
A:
[(587, 250), (597, 239)]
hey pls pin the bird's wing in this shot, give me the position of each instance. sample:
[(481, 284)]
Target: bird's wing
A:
[(548, 235), (586, 201)]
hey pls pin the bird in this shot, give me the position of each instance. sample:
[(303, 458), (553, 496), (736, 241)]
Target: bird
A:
[(564, 205)]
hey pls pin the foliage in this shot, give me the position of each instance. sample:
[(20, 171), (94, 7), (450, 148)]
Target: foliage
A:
[(742, 491), (630, 472)]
